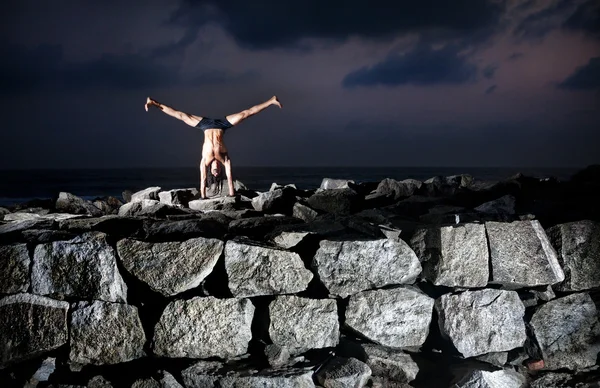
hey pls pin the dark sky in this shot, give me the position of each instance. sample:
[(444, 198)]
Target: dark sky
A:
[(392, 83)]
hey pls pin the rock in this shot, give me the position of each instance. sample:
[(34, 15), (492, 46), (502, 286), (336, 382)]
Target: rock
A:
[(126, 195), (256, 227), (330, 183), (148, 208), (203, 374), (495, 358), (42, 374), (167, 230), (177, 196), (343, 372), (521, 255), (84, 267), (501, 207), (111, 224), (23, 216), (70, 203), (108, 205), (14, 268), (347, 267), (171, 267), (105, 333), (146, 383), (302, 324), (578, 248), (479, 322), (335, 201), (453, 256), (277, 356), (304, 212), (397, 318), (398, 189), (40, 236), (168, 381), (287, 240), (219, 203), (12, 231), (256, 270), (99, 382), (275, 201), (553, 380), (149, 193), (393, 365), (501, 378), (567, 331), (293, 378), (3, 212), (31, 325), (462, 180), (204, 327)]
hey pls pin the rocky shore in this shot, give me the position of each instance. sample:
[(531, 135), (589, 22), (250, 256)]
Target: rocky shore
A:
[(451, 282)]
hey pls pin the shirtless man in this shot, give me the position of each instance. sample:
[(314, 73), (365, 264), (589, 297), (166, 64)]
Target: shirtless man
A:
[(214, 129)]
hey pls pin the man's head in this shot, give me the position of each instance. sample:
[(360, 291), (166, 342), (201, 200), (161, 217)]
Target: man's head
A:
[(215, 168)]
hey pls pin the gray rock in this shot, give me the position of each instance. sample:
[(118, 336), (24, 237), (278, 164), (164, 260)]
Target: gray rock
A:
[(277, 356), (14, 268), (30, 326), (105, 333), (168, 230), (99, 382), (335, 201), (454, 256), (84, 267), (168, 381), (304, 212), (149, 193), (397, 318), (495, 358), (110, 224), (148, 208), (462, 180), (521, 255), (392, 364), (502, 206), (171, 267), (578, 248), (398, 189), (69, 203), (567, 331), (203, 374), (258, 227), (108, 205), (146, 383), (219, 203), (330, 183), (43, 373), (498, 379), (3, 211), (40, 236), (343, 372), (177, 196), (383, 382), (275, 201), (301, 324), (32, 216), (255, 270), (555, 380), (275, 186), (204, 327), (347, 267), (479, 322), (293, 378), (287, 240)]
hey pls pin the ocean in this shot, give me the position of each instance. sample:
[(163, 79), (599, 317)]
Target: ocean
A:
[(18, 186)]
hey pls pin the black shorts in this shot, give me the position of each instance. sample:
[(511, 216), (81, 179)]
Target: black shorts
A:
[(208, 123)]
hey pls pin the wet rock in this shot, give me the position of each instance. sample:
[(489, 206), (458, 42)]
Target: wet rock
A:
[(204, 327), (256, 270), (521, 255), (398, 189), (105, 333), (397, 318), (177, 197), (149, 193), (483, 379), (391, 364), (84, 267), (275, 201), (31, 325), (69, 203), (203, 374), (287, 240), (293, 378), (567, 331), (330, 183), (277, 356), (171, 267), (347, 267), (578, 248), (479, 322), (343, 372), (219, 203), (335, 201), (304, 212), (14, 268), (301, 324)]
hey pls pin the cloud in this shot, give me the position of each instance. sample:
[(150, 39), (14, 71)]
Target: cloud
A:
[(542, 17), (491, 89), (515, 56), (586, 18), (586, 77), (422, 66), (489, 71)]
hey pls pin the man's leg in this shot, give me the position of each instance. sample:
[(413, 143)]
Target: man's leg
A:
[(237, 117), (189, 119), (227, 165)]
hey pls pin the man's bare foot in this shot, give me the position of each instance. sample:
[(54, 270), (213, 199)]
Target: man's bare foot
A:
[(275, 101), (149, 102)]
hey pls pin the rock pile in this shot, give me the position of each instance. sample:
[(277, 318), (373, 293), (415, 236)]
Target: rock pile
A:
[(447, 282)]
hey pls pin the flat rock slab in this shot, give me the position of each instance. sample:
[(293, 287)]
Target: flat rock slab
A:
[(397, 318), (294, 378), (287, 240), (497, 379), (301, 324), (14, 268), (479, 322), (204, 327), (84, 268), (31, 325), (220, 203), (171, 267), (344, 372), (391, 364), (256, 270), (347, 267), (105, 333), (521, 255), (567, 331), (578, 248), (335, 201)]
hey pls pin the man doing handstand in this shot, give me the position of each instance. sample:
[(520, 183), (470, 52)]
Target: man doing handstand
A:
[(214, 129)]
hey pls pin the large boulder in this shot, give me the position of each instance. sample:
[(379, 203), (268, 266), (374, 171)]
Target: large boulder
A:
[(335, 201), (69, 203), (14, 268), (484, 321), (567, 331), (302, 324), (578, 248), (255, 270), (218, 203), (83, 268), (149, 193), (105, 333), (171, 267), (397, 318), (30, 326), (177, 196), (347, 267), (342, 372), (521, 255), (275, 201), (394, 189), (203, 328)]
